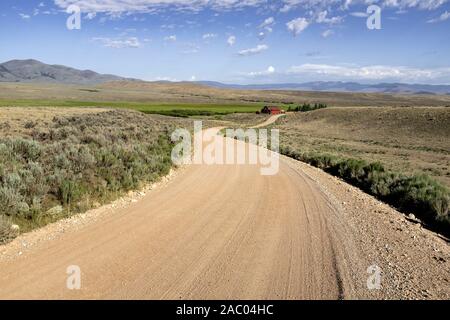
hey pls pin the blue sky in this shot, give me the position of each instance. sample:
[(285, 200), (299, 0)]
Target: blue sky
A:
[(246, 41)]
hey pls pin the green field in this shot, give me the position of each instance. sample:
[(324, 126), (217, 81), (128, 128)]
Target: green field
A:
[(174, 109)]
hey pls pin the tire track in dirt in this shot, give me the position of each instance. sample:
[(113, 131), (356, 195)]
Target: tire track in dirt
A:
[(213, 232)]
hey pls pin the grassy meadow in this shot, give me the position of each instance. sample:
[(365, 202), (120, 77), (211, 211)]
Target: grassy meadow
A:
[(174, 109)]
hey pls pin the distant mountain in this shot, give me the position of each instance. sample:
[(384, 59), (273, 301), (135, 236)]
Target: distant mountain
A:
[(36, 71), (337, 86)]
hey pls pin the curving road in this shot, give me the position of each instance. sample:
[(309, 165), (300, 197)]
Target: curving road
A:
[(213, 232)]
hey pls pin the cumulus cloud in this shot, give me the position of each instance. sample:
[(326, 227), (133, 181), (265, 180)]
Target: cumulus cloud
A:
[(421, 4), (375, 72), (323, 17), (327, 33), (131, 42), (288, 5), (144, 6), (296, 26), (267, 26), (24, 16), (267, 23), (118, 7), (442, 17), (253, 51)]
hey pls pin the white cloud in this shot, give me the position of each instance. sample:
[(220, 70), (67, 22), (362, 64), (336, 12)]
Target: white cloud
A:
[(171, 38), (421, 4), (327, 33), (442, 17), (207, 36), (375, 72), (252, 51), (322, 17), (165, 79), (120, 43), (261, 35), (118, 7), (24, 16), (90, 15), (296, 26), (231, 40), (269, 71), (359, 14), (345, 5), (267, 23)]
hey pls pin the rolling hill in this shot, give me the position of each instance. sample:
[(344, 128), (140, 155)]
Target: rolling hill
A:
[(339, 86), (36, 71)]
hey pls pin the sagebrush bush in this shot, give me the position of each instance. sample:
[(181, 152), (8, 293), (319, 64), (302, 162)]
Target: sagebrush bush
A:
[(90, 157), (7, 233), (419, 194)]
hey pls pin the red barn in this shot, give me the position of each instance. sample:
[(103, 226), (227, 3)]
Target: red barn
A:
[(272, 110)]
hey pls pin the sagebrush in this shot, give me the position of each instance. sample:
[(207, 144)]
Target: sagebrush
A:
[(418, 194), (78, 162)]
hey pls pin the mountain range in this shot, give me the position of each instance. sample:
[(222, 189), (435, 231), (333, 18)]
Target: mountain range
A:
[(339, 86), (35, 71)]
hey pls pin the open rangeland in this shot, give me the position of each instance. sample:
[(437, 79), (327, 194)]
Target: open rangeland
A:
[(81, 176), (221, 232), (409, 140), (193, 99)]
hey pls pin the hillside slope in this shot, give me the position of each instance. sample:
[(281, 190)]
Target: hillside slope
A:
[(36, 71)]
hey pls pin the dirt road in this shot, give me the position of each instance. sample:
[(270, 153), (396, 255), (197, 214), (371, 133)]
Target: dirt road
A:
[(269, 121), (212, 232)]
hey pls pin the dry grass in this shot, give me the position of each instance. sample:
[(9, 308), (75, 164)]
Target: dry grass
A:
[(141, 92), (407, 140), (22, 121)]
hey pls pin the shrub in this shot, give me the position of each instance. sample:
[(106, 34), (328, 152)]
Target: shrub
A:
[(306, 107), (423, 195), (80, 160), (7, 231), (418, 194), (27, 149)]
